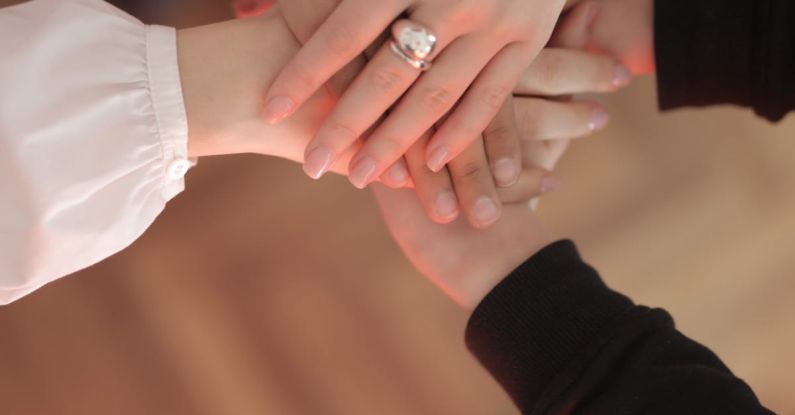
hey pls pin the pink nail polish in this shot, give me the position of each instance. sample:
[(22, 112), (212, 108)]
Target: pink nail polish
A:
[(621, 77), (599, 119), (446, 206), (318, 162), (278, 108), (362, 173), (485, 212), (438, 158), (505, 172), (550, 184), (398, 174)]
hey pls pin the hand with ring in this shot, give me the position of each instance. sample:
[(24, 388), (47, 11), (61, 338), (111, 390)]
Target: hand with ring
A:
[(473, 182), (452, 59)]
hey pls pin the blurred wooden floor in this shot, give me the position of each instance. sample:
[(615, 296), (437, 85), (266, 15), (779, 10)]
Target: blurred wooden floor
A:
[(261, 292)]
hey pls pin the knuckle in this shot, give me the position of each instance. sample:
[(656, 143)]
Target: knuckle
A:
[(500, 135), (551, 68), (342, 40), (390, 147), (387, 79), (437, 99), (471, 171), (493, 97), (342, 132), (303, 82)]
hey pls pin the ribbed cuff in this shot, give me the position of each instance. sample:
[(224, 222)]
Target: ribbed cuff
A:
[(738, 52), (534, 323)]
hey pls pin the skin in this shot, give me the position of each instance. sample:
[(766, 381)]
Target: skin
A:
[(497, 39), (470, 181), (225, 66)]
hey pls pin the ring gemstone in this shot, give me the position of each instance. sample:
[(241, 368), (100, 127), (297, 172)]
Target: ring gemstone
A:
[(417, 42)]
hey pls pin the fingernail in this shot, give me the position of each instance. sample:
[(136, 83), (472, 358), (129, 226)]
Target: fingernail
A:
[(533, 204), (318, 162), (599, 119), (362, 173), (485, 211), (446, 206), (398, 174), (277, 109), (621, 76), (438, 158), (505, 172), (550, 184)]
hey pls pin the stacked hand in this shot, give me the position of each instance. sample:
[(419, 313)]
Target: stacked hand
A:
[(473, 181)]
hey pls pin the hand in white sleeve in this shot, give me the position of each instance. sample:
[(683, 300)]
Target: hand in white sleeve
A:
[(93, 136)]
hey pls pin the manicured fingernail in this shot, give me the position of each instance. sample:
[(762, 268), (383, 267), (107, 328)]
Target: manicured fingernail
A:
[(485, 211), (362, 173), (599, 119), (398, 174), (438, 158), (505, 172), (621, 76), (318, 162), (550, 184), (277, 109), (446, 206)]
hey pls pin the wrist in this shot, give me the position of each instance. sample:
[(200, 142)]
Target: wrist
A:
[(224, 68), (491, 266)]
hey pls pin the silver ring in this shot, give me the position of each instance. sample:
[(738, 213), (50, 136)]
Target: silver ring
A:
[(420, 64), (415, 42)]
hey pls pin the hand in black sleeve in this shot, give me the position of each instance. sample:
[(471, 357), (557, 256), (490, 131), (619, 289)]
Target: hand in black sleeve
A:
[(560, 341), (726, 52)]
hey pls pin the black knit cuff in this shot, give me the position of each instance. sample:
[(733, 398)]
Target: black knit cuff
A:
[(533, 323), (703, 52)]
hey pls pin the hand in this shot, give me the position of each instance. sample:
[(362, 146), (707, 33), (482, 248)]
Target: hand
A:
[(467, 182), (483, 47), (464, 262), (620, 28)]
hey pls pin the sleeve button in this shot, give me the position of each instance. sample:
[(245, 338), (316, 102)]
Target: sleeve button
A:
[(178, 168)]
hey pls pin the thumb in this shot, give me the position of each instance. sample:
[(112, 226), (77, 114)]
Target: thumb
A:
[(574, 29)]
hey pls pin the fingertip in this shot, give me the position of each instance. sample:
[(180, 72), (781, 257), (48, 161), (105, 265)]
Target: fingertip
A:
[(445, 208), (622, 76), (506, 172), (485, 213), (550, 184), (438, 158), (599, 118), (278, 108)]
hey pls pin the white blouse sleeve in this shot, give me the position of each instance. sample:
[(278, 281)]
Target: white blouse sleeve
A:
[(93, 136)]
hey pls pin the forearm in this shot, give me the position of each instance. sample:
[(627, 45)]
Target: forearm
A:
[(560, 341), (224, 69), (726, 52)]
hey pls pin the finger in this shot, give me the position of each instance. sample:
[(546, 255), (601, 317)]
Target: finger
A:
[(564, 72), (503, 146), (544, 154), (376, 89), (426, 102), (533, 182), (475, 187), (574, 29), (480, 105), (343, 37), (397, 176), (540, 119), (434, 189)]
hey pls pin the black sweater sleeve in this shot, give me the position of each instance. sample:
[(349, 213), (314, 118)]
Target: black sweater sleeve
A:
[(559, 341), (726, 52)]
